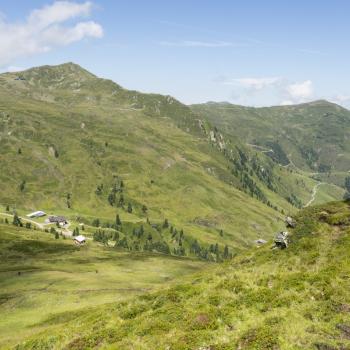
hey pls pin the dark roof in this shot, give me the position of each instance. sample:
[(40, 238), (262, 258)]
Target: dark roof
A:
[(57, 219)]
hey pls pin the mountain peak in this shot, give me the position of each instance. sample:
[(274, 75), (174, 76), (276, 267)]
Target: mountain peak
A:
[(64, 70), (50, 76)]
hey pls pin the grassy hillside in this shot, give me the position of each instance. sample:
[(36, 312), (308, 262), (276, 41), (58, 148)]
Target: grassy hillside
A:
[(296, 298), (84, 147), (311, 136), (41, 276)]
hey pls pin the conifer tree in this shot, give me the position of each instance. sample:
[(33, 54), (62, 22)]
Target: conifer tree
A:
[(166, 223), (129, 208), (117, 220), (16, 220), (22, 185), (226, 252)]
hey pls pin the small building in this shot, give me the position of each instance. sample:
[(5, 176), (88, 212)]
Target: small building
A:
[(57, 220), (36, 214), (80, 240)]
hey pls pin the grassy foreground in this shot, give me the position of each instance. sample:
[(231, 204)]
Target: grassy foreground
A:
[(298, 298), (41, 276)]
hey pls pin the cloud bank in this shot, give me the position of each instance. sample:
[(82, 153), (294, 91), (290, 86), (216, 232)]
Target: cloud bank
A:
[(45, 29), (288, 92)]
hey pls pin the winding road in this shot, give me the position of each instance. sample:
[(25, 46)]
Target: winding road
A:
[(313, 195), (42, 226)]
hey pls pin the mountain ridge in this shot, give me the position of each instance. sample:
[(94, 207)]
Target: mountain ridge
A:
[(84, 138)]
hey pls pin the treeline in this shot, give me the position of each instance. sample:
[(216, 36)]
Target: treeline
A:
[(162, 238), (116, 196)]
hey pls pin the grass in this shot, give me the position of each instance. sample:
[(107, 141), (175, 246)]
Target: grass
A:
[(296, 298), (79, 140), (42, 276)]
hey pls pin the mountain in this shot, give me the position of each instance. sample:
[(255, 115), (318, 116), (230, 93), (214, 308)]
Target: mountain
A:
[(312, 136), (163, 192), (84, 147), (71, 139), (296, 298)]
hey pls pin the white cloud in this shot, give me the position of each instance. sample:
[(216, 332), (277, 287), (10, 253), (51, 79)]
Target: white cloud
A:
[(44, 30), (300, 92), (286, 103), (189, 43), (14, 69), (255, 83), (341, 99)]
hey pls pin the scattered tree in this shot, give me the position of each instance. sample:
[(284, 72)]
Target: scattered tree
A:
[(166, 223), (144, 209), (129, 208), (16, 220), (22, 185), (117, 220)]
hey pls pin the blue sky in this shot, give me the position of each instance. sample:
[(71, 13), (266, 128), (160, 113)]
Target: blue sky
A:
[(246, 52)]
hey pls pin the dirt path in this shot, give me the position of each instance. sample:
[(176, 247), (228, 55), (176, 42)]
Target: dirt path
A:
[(313, 195), (262, 149), (41, 226)]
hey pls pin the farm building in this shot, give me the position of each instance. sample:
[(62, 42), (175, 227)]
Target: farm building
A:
[(79, 239), (36, 214), (58, 219)]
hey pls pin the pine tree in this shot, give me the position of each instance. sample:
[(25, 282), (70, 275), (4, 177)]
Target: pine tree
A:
[(226, 252), (22, 185), (121, 201), (16, 220), (166, 223), (96, 222), (347, 186), (129, 208), (111, 199), (117, 220), (57, 235), (7, 207), (19, 151), (181, 234)]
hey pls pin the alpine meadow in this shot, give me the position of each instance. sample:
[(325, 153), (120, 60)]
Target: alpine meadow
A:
[(132, 220)]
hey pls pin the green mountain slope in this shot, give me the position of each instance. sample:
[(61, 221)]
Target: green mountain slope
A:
[(311, 136), (297, 298), (84, 147), (69, 140)]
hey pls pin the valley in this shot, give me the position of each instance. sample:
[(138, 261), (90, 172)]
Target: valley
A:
[(170, 201)]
